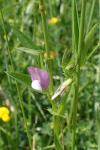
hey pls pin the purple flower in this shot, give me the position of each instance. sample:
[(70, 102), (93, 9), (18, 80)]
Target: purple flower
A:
[(40, 78)]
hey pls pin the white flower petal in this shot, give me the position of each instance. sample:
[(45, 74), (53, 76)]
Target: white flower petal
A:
[(36, 85)]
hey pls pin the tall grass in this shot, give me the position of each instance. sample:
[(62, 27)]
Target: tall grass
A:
[(16, 84), (62, 112)]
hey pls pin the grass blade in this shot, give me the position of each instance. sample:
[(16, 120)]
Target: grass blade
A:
[(81, 29), (98, 125), (87, 43), (99, 19), (75, 26), (38, 107), (89, 37), (90, 15), (20, 77), (25, 40), (93, 51), (29, 51)]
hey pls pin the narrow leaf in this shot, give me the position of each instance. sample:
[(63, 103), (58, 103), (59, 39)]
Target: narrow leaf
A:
[(49, 147), (75, 26), (90, 15), (20, 77), (38, 107), (56, 113), (66, 57), (25, 40), (29, 51), (93, 51), (89, 37), (87, 43), (98, 124), (81, 29)]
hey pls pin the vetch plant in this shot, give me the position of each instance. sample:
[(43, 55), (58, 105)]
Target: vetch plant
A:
[(40, 78), (65, 100), (73, 61)]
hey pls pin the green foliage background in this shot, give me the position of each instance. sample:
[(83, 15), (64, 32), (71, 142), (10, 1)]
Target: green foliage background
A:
[(24, 15)]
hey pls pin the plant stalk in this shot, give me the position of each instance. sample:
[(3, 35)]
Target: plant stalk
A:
[(73, 112), (58, 145), (47, 43), (74, 106)]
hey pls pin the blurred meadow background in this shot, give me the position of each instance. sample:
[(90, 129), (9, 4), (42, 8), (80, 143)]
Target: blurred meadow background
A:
[(25, 31)]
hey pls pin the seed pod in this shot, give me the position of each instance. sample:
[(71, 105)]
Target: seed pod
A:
[(62, 88)]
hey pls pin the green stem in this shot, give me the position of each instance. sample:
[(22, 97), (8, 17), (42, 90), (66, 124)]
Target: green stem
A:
[(73, 112), (80, 45), (49, 66), (98, 135), (75, 27), (44, 23), (24, 117), (98, 125), (57, 129), (74, 107), (99, 19), (81, 30), (47, 43)]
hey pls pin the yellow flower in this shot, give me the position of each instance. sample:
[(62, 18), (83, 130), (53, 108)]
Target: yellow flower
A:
[(50, 55), (4, 114), (53, 20)]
